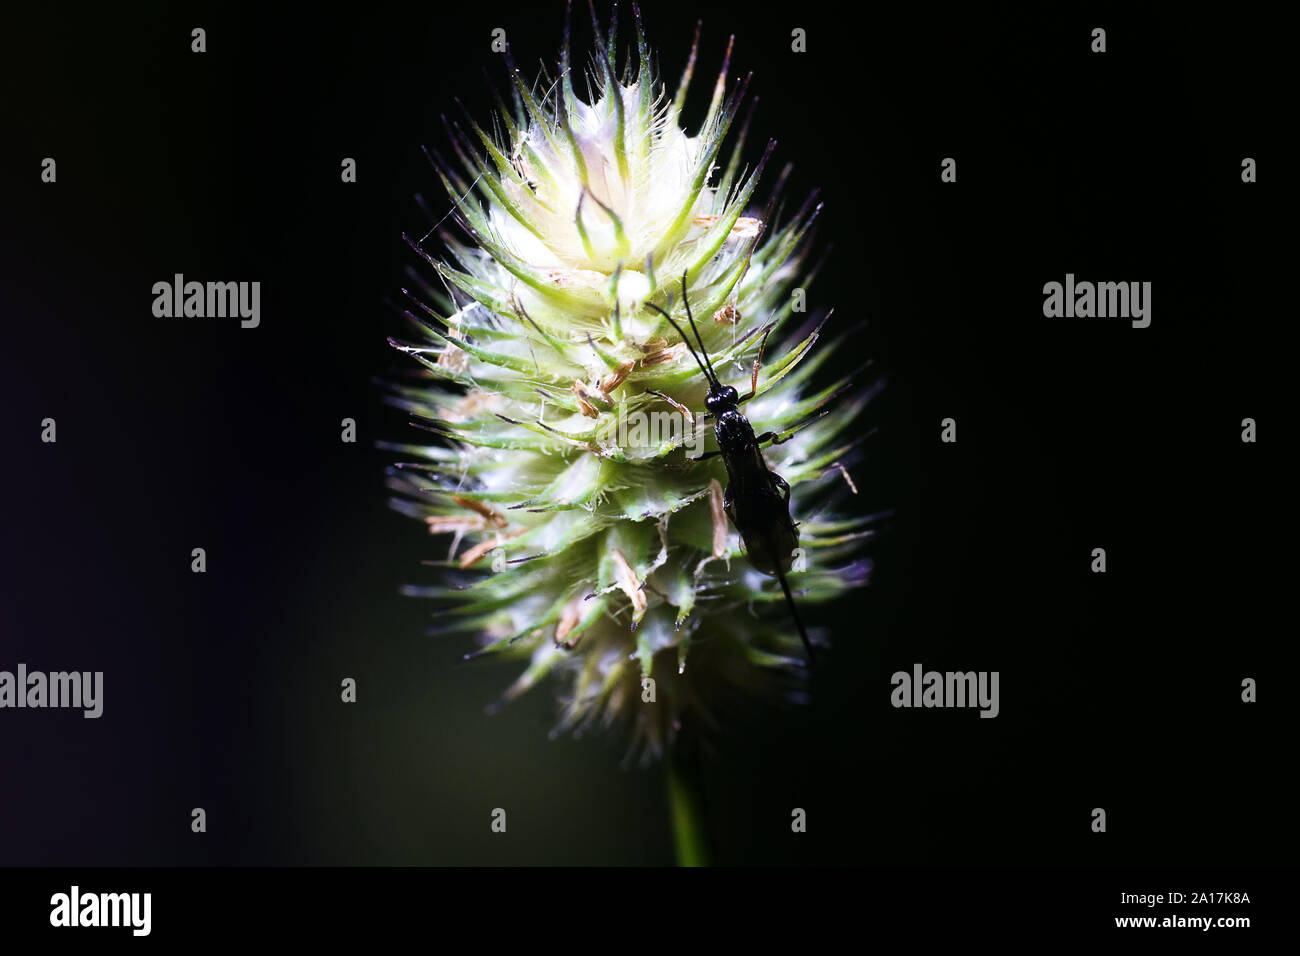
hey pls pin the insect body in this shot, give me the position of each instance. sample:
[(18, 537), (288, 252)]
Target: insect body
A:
[(756, 498)]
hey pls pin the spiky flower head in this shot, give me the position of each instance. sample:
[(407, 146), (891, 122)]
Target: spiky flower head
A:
[(582, 538)]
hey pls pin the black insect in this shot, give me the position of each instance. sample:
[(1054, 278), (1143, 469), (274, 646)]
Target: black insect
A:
[(757, 499)]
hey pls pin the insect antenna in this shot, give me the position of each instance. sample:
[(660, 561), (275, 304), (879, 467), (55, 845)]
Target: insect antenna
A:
[(706, 369), (794, 612), (703, 350)]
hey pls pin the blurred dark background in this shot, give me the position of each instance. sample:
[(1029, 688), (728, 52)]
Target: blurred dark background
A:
[(222, 690)]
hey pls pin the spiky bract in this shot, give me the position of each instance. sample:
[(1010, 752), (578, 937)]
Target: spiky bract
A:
[(585, 544)]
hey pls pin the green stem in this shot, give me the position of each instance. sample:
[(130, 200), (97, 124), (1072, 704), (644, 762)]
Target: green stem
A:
[(684, 808)]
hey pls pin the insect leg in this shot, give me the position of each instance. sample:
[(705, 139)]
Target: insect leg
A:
[(785, 436), (675, 404), (782, 486), (758, 364)]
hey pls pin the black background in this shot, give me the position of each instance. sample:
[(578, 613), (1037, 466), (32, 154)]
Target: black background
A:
[(1119, 691)]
